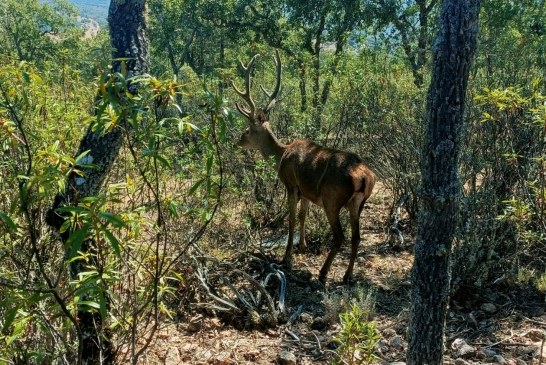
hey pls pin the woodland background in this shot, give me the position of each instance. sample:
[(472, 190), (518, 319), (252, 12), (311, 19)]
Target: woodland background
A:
[(183, 208)]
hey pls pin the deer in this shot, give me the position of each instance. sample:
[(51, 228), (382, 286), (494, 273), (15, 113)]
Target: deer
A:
[(311, 173)]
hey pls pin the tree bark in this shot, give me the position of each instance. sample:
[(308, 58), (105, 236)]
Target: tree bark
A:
[(127, 25), (452, 54)]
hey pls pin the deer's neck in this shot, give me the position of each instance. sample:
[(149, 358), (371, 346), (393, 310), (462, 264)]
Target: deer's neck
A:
[(272, 147)]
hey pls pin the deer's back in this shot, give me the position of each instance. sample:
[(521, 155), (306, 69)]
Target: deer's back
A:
[(316, 171)]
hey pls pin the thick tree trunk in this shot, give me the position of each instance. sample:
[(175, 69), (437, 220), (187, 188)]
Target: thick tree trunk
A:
[(452, 55), (126, 20)]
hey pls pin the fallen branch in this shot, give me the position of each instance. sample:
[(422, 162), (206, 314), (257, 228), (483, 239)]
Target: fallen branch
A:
[(243, 296)]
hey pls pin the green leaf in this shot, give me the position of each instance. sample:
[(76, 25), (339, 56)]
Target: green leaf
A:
[(163, 160), (114, 219), (102, 307), (71, 209), (75, 240), (113, 241), (9, 222), (210, 160), (90, 303), (9, 317), (196, 186), (81, 156)]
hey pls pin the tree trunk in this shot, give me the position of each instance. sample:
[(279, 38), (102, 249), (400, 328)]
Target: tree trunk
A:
[(127, 25), (452, 55)]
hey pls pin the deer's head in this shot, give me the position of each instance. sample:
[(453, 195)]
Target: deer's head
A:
[(258, 132)]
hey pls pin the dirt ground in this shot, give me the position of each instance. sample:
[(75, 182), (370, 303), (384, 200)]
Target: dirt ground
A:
[(494, 326)]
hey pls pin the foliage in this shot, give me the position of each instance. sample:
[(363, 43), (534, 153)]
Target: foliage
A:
[(349, 81), (31, 30), (358, 336), (503, 218)]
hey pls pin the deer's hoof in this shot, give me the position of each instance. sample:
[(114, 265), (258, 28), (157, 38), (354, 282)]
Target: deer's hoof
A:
[(348, 280), (322, 279)]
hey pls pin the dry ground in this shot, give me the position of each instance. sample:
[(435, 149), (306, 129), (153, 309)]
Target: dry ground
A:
[(497, 325)]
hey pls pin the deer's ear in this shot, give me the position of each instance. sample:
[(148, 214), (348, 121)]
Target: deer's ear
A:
[(261, 116)]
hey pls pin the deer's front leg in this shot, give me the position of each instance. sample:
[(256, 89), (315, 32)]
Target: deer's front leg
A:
[(292, 205)]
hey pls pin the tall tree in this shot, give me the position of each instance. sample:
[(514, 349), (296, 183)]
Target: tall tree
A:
[(127, 25), (32, 30), (452, 54), (411, 22)]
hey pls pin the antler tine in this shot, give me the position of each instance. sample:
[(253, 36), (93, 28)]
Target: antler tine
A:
[(273, 96), (249, 112)]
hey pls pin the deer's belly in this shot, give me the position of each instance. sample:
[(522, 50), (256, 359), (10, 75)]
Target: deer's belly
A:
[(315, 199)]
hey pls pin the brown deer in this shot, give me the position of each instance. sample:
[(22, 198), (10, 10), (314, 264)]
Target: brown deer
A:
[(329, 178)]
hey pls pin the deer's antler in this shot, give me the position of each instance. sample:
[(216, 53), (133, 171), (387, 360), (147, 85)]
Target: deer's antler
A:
[(249, 112), (273, 96)]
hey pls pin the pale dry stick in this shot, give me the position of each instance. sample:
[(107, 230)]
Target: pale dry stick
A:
[(534, 321), (541, 350)]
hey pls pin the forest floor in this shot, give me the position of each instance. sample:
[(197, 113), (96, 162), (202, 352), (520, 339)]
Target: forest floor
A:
[(497, 325)]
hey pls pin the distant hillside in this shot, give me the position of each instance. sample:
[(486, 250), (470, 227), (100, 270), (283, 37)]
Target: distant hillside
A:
[(94, 9)]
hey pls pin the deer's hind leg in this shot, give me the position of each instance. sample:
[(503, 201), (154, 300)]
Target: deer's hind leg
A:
[(332, 212), (355, 206)]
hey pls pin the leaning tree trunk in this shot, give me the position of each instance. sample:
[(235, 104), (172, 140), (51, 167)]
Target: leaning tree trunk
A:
[(127, 25), (452, 55)]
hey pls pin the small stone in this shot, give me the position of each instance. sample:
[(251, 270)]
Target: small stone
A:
[(527, 350), (458, 343), (466, 351), (195, 324), (382, 346), (318, 323), (488, 308), (461, 362), (389, 332), (397, 343), (306, 317), (172, 357), (462, 348), (287, 358), (498, 359), (535, 334), (489, 353)]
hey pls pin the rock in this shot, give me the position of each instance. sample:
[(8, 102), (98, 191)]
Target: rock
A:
[(306, 317), (461, 362), (527, 350), (318, 323), (172, 357), (195, 324), (466, 351), (397, 343), (457, 343), (498, 359), (535, 334), (397, 363), (389, 332), (382, 346), (488, 307), (287, 358), (489, 353), (462, 348)]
